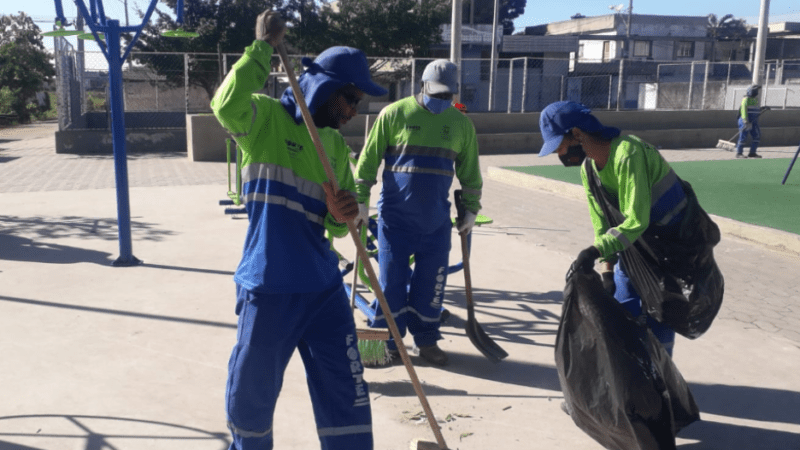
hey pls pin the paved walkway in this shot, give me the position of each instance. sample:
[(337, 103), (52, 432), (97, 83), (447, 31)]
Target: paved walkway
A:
[(97, 357)]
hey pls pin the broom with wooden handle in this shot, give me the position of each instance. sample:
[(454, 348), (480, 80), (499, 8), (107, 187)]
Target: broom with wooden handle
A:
[(362, 254)]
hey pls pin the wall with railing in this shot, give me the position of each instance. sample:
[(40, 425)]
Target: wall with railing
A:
[(161, 88)]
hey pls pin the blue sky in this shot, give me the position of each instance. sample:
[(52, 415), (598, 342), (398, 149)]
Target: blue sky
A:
[(536, 12), (539, 12)]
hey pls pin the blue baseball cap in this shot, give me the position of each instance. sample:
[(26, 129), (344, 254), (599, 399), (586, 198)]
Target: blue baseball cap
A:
[(331, 70), (344, 65), (557, 119)]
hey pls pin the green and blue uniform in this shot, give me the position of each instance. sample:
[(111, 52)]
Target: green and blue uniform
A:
[(289, 288), (648, 194), (421, 152), (749, 112)]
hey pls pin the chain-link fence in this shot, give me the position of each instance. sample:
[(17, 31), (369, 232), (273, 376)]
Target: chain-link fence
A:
[(159, 84)]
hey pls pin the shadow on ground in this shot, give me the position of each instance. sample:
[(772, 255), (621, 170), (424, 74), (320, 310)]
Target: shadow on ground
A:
[(755, 404), (99, 432), (77, 227), (503, 315), (114, 312)]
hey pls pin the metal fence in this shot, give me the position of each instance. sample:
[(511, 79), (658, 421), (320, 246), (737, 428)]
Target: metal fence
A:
[(184, 83)]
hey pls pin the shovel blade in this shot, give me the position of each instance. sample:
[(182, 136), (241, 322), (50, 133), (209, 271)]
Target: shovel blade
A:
[(484, 343)]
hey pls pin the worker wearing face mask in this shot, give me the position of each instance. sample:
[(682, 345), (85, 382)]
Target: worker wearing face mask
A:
[(647, 192), (423, 141)]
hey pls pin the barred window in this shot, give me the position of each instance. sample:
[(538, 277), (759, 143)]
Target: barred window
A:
[(685, 49), (641, 48)]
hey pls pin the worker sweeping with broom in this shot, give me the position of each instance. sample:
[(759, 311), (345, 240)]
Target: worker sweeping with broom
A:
[(749, 113), (424, 142), (290, 292)]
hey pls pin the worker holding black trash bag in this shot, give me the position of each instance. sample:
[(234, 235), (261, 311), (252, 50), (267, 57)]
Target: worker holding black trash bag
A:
[(650, 212), (614, 357)]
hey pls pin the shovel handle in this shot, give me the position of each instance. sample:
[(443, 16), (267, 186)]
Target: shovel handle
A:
[(362, 252)]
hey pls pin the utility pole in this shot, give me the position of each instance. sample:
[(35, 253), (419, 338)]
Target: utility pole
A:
[(494, 54), (761, 43), (628, 49), (455, 42)]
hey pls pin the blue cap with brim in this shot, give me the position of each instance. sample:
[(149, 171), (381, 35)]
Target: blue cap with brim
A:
[(328, 72), (558, 118)]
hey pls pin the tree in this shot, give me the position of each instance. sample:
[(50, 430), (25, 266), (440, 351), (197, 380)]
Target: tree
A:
[(386, 28), (389, 28), (725, 29), (223, 25), (508, 11), (24, 64)]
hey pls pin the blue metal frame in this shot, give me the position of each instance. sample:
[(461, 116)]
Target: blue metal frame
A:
[(790, 166), (96, 19)]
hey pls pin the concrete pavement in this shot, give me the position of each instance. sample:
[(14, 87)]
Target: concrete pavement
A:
[(98, 357)]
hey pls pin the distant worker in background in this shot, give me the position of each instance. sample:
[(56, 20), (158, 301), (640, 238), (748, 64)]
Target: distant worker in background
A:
[(749, 113)]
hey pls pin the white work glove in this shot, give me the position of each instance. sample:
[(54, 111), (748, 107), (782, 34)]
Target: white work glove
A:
[(363, 215), (746, 127), (465, 225)]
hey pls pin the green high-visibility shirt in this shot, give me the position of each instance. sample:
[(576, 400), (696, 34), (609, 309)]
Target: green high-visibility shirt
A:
[(633, 168)]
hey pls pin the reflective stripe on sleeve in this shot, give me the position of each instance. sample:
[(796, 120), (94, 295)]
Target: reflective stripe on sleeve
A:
[(475, 192), (672, 213), (662, 186), (621, 237), (367, 182)]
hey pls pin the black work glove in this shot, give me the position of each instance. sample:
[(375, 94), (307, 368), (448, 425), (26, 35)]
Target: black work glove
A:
[(586, 259), (608, 282)]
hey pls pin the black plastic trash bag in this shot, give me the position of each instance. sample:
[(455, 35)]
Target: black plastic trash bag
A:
[(620, 385), (677, 277), (674, 273)]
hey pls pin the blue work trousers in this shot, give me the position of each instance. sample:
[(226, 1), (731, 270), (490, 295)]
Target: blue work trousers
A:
[(626, 294), (320, 325), (755, 134), (414, 296)]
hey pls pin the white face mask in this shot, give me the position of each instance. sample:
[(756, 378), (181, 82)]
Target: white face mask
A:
[(435, 105)]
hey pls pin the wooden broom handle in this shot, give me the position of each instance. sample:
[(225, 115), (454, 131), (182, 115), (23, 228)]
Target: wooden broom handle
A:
[(362, 252)]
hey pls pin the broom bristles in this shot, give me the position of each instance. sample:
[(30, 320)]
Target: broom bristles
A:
[(726, 145), (374, 353)]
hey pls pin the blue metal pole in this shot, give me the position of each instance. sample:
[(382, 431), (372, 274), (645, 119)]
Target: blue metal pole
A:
[(126, 257), (790, 165)]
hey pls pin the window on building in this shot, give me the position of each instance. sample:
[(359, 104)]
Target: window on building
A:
[(606, 51), (684, 49), (641, 48)]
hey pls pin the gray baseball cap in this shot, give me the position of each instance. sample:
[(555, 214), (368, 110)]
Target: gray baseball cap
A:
[(441, 77)]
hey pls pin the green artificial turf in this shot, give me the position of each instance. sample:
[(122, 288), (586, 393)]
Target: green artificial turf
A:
[(746, 190)]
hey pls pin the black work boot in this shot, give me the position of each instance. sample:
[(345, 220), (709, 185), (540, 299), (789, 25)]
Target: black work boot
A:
[(434, 355)]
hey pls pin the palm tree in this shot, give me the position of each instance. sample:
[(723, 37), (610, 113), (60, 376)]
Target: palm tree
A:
[(725, 29)]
